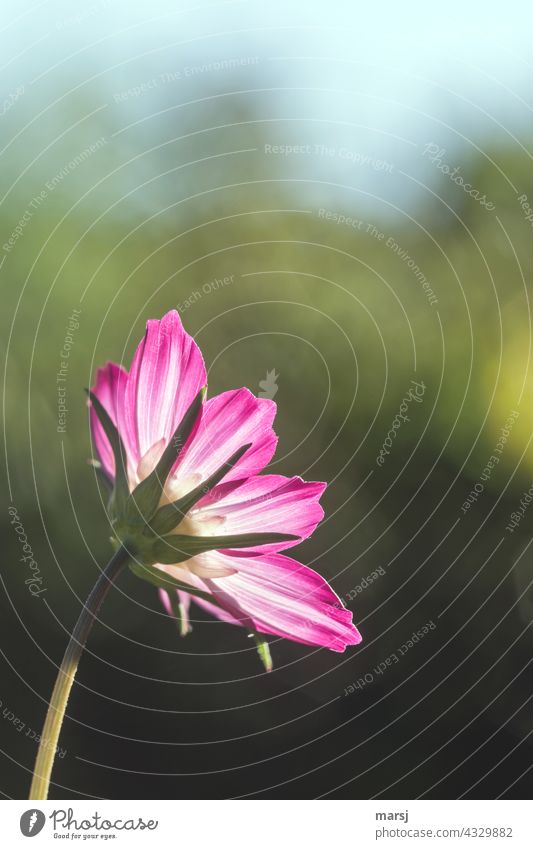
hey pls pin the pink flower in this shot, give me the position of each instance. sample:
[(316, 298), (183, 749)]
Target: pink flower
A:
[(221, 547)]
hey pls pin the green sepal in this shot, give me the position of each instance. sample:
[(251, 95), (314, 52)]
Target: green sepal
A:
[(169, 516), (263, 650), (144, 500), (175, 548), (121, 489)]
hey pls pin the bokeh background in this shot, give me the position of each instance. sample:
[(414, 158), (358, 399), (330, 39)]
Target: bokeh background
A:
[(287, 176)]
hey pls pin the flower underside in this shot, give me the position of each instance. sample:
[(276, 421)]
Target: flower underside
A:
[(190, 504)]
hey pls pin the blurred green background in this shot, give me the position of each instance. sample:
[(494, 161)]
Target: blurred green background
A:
[(307, 154)]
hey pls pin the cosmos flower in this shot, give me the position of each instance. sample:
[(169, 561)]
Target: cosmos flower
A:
[(188, 498)]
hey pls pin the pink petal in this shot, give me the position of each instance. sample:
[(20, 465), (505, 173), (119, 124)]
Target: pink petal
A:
[(278, 595), (223, 615), (267, 503), (110, 389), (166, 374), (229, 421), (181, 573)]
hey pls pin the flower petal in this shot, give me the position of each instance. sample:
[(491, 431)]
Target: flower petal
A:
[(110, 389), (229, 421), (166, 374), (266, 503), (274, 594)]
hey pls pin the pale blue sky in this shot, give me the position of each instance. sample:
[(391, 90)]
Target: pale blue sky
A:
[(458, 73)]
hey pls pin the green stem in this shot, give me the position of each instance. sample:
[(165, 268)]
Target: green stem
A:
[(67, 671)]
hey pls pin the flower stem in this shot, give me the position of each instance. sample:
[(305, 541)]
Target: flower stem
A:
[(65, 678)]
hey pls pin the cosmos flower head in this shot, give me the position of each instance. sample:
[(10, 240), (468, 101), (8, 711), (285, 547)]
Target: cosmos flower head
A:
[(189, 501)]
